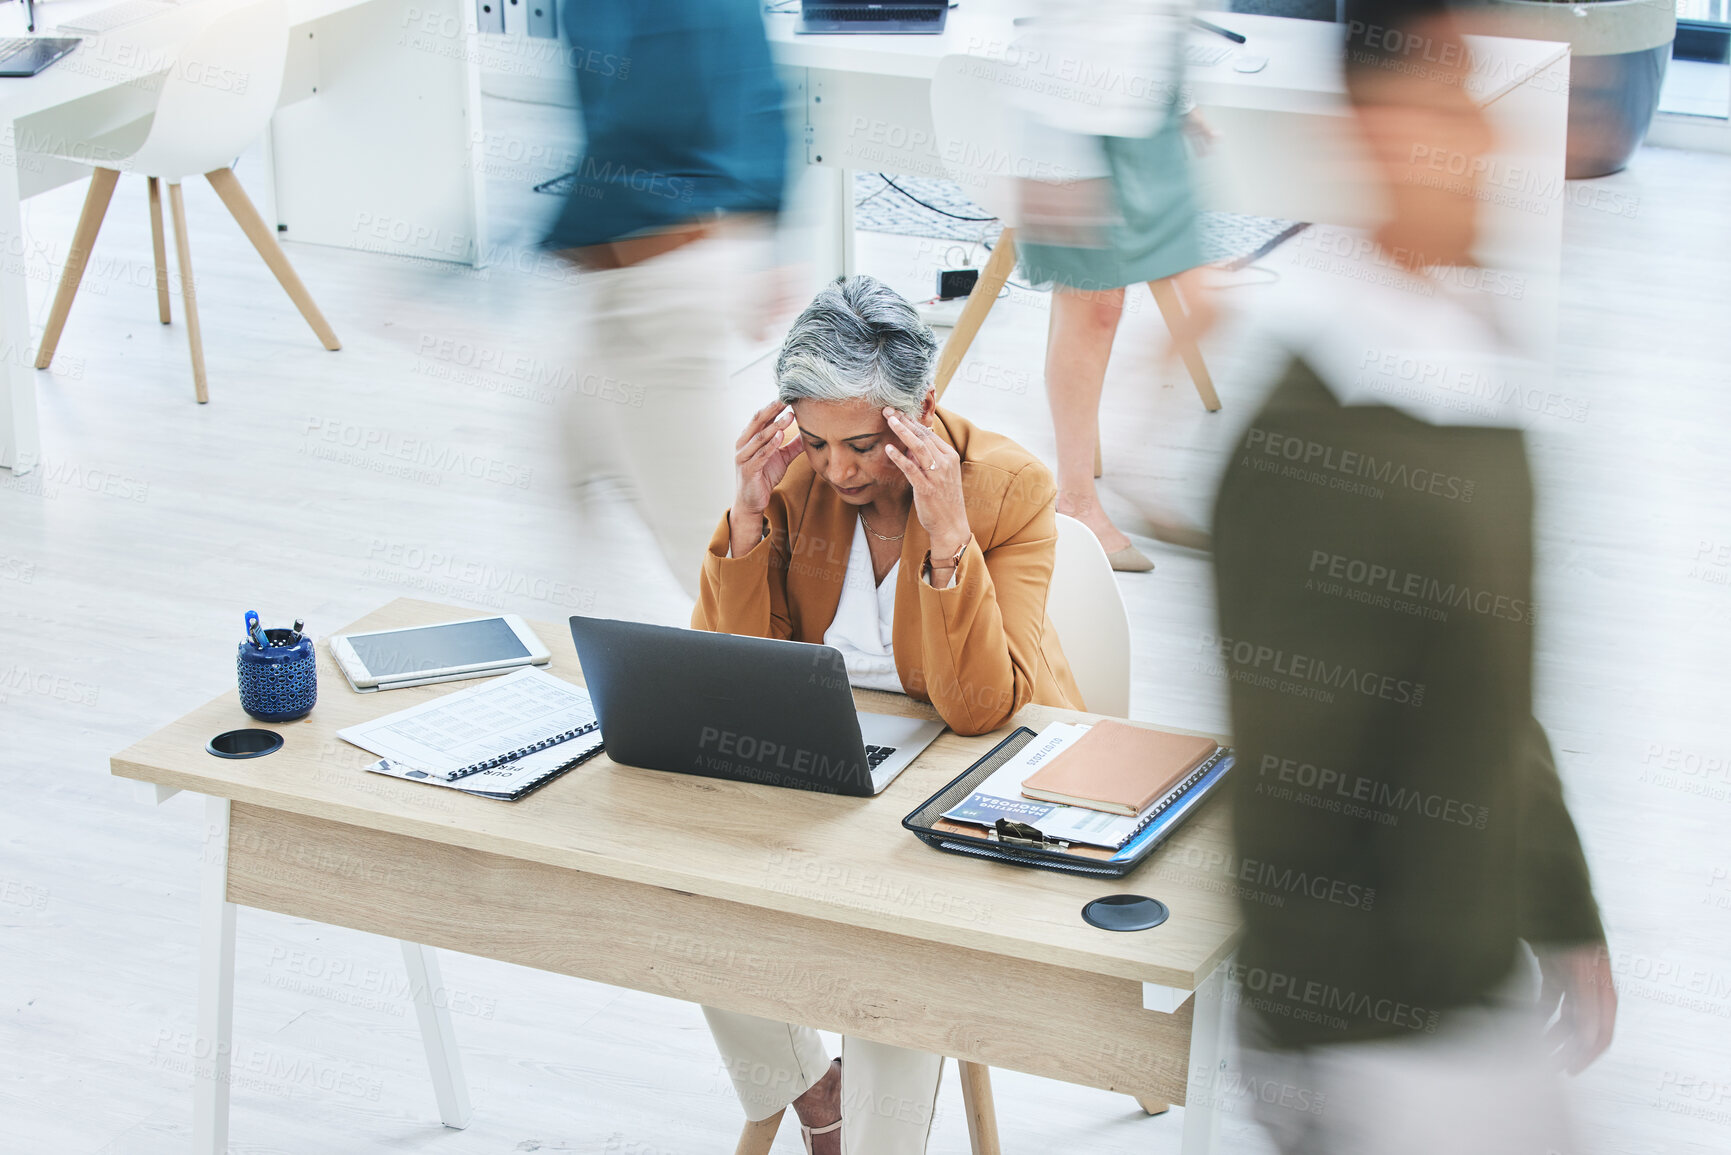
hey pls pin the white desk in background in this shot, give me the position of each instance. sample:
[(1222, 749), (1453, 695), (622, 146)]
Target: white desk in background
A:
[(1286, 147), (376, 144)]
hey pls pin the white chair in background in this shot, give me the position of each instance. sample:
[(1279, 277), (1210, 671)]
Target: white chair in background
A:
[(216, 100), (1087, 609)]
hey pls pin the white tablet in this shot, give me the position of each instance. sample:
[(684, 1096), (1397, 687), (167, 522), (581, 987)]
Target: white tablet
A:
[(474, 648)]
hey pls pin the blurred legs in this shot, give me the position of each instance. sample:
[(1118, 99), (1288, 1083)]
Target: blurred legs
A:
[(651, 398), (1480, 1086), (1078, 345)]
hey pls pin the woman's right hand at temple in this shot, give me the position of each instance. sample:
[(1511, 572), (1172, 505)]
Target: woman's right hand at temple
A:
[(760, 462)]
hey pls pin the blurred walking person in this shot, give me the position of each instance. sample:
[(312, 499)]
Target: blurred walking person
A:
[(1122, 213), (672, 213), (1378, 630)]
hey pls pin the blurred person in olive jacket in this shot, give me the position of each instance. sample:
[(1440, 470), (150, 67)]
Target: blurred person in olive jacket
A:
[(1400, 827)]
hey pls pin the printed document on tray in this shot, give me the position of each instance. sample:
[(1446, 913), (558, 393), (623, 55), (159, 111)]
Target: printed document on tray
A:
[(1000, 796)]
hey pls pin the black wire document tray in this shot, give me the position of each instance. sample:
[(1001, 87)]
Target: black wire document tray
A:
[(1023, 845)]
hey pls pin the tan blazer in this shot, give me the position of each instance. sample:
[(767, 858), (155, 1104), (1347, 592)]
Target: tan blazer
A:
[(977, 651)]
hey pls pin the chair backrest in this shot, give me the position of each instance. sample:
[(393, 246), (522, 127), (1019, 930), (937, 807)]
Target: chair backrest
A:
[(219, 94), (1087, 610)]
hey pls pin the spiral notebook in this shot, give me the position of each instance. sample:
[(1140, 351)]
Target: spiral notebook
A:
[(511, 781), (482, 728)]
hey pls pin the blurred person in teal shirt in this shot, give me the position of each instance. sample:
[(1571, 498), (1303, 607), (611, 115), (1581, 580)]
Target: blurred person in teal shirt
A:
[(671, 213), (682, 117)]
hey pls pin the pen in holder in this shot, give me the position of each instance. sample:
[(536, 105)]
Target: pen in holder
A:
[(280, 682)]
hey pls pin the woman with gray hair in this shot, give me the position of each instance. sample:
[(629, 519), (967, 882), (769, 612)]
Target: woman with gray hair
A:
[(921, 547)]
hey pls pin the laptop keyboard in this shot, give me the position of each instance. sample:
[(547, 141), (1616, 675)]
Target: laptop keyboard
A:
[(861, 12), (875, 755), (117, 16)]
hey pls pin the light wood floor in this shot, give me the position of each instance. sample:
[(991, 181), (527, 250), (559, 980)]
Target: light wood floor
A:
[(126, 560)]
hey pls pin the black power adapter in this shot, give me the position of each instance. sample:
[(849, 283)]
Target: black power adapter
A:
[(953, 283)]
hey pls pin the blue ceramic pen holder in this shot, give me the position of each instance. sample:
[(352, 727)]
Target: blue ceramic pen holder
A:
[(281, 682)]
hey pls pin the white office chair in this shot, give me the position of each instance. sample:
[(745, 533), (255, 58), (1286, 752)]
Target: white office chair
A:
[(215, 101), (980, 134), (1087, 609)]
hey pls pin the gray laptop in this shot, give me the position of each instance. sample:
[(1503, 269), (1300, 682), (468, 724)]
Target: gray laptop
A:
[(827, 16), (747, 709), (28, 55)]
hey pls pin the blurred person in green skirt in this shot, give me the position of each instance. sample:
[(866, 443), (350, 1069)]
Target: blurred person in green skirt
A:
[(1115, 125)]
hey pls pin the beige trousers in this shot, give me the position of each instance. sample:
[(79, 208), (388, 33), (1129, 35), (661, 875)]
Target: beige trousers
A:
[(887, 1093), (651, 399)]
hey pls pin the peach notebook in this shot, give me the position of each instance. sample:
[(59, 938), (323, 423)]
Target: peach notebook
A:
[(1118, 768)]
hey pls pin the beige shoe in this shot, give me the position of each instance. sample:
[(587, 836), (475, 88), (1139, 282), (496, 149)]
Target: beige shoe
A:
[(1130, 560)]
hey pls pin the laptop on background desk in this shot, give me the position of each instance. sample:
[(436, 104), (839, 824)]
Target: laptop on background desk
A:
[(745, 709), (28, 55), (831, 16)]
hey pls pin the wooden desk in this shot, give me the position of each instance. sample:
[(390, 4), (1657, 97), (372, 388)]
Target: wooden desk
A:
[(807, 907)]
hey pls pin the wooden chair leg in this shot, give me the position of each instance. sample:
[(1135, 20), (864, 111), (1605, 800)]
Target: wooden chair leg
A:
[(1166, 296), (980, 302), (757, 1138), (158, 250), (982, 1115), (96, 199), (1153, 1106), (188, 298), (1099, 459), (264, 240)]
